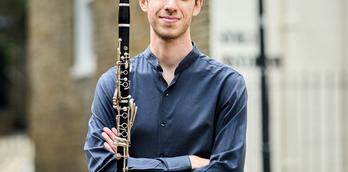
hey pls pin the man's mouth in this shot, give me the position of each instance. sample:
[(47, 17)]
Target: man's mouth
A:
[(169, 19)]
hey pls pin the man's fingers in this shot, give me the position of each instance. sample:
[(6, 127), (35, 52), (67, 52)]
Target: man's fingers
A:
[(108, 147), (114, 130), (109, 141), (109, 132), (110, 137)]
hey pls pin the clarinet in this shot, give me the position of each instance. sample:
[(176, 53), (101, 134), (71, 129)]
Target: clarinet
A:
[(123, 103)]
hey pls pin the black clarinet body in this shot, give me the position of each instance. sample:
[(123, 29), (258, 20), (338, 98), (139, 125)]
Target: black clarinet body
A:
[(125, 108)]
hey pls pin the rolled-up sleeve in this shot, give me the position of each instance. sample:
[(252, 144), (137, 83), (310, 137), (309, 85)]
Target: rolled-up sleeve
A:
[(228, 154)]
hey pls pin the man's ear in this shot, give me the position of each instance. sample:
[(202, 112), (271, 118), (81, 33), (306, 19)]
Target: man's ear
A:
[(198, 7), (143, 5)]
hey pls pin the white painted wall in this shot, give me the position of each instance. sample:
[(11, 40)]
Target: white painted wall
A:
[(344, 10), (233, 34), (306, 93), (313, 34)]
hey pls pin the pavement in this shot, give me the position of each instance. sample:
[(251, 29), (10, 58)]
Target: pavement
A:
[(16, 153)]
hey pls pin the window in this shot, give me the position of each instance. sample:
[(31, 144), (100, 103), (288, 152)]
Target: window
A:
[(84, 56)]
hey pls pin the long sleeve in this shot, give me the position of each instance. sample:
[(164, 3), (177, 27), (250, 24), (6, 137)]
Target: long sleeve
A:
[(228, 154), (98, 158), (179, 163)]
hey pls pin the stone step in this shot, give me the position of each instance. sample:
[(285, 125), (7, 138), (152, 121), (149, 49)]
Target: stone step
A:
[(16, 153)]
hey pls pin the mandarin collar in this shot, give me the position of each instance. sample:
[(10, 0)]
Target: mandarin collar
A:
[(185, 63)]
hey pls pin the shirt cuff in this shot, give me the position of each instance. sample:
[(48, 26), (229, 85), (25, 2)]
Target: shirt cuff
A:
[(177, 163), (145, 164)]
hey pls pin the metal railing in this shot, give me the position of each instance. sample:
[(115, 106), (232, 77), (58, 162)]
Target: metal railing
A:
[(308, 121)]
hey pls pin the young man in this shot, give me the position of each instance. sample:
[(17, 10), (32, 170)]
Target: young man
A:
[(191, 109)]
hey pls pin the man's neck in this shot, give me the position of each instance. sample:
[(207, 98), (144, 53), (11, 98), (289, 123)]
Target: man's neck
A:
[(171, 52)]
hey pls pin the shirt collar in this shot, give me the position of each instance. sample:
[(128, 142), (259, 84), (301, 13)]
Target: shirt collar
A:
[(185, 63)]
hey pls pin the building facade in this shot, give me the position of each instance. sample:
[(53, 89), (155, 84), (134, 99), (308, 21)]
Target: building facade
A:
[(308, 88)]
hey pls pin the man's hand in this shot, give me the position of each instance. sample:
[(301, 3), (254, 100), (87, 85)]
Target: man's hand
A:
[(109, 137), (197, 162)]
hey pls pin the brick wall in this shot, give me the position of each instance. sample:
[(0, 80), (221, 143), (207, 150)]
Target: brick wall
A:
[(200, 29), (56, 124)]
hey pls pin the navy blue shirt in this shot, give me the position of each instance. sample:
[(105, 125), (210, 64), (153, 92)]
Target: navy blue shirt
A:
[(202, 112)]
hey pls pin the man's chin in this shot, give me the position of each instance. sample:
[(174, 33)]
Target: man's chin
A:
[(168, 36)]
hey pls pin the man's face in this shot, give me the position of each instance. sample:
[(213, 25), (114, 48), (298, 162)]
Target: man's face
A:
[(170, 19)]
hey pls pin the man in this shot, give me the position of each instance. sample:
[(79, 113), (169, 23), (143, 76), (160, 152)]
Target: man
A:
[(191, 109)]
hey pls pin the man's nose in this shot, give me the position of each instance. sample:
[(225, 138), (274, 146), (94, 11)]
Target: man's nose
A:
[(170, 6)]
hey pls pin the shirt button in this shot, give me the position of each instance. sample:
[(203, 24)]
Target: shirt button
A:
[(163, 123)]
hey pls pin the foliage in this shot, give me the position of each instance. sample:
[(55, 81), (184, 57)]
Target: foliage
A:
[(12, 28)]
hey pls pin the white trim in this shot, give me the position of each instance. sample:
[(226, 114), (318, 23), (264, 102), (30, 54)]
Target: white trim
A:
[(124, 5), (123, 25), (84, 55)]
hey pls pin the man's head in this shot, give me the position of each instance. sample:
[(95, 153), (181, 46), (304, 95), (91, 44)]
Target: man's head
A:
[(170, 19)]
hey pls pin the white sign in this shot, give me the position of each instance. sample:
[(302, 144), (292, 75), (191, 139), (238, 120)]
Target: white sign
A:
[(234, 30)]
